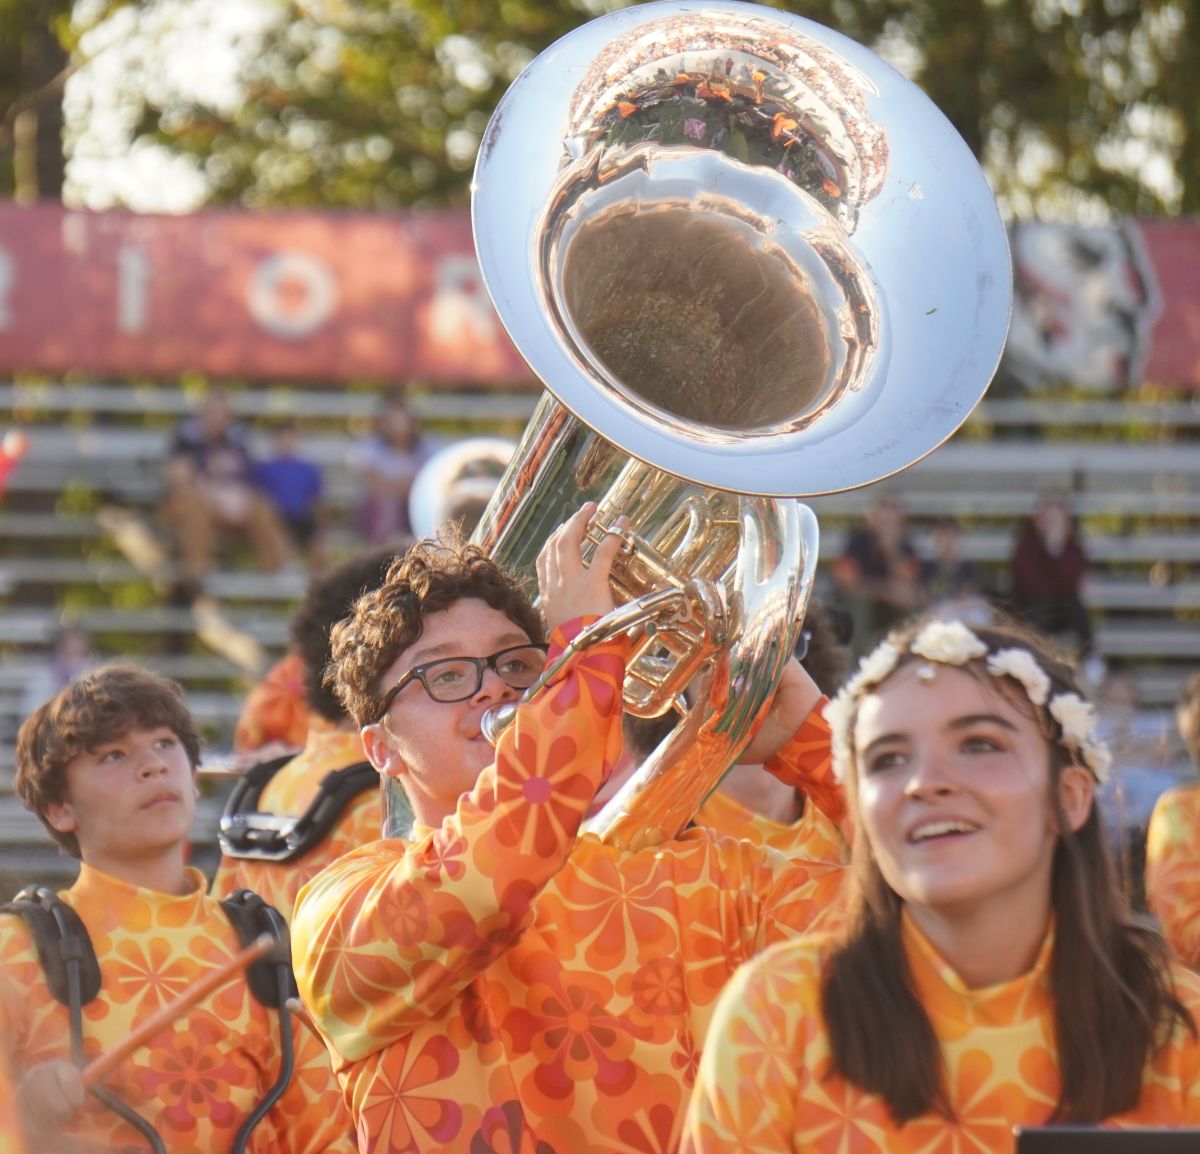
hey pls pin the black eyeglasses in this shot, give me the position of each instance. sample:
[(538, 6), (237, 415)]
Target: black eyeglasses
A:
[(457, 678)]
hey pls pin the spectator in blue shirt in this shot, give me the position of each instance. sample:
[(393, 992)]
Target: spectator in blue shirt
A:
[(295, 486), (211, 493)]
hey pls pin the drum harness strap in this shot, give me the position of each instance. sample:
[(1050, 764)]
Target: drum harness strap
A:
[(72, 974), (249, 834)]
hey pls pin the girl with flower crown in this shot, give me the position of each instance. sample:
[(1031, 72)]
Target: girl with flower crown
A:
[(988, 974)]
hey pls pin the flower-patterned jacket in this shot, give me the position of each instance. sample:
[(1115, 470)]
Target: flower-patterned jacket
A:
[(503, 983), (199, 1079)]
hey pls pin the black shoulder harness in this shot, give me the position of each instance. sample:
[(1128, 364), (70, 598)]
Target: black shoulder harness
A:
[(249, 834), (61, 938)]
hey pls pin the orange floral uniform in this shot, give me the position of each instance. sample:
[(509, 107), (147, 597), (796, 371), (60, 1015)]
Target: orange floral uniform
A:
[(762, 1084), (1173, 870), (10, 1130), (289, 793), (502, 983), (815, 836), (820, 834), (199, 1079), (275, 710)]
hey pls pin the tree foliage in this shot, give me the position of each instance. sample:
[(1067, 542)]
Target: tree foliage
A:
[(39, 49), (1074, 107)]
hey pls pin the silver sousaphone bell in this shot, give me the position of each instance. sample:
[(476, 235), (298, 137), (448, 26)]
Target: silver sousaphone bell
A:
[(751, 263)]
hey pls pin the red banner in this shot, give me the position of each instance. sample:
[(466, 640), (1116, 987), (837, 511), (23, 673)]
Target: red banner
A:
[(326, 296), (286, 295), (1173, 356)]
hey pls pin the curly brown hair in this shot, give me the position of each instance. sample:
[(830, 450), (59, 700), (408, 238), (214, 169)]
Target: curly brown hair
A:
[(330, 597), (94, 709), (431, 576)]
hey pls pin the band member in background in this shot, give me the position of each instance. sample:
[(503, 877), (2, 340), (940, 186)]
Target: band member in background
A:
[(985, 928), (499, 981), (274, 718), (1173, 842), (767, 810), (108, 765), (328, 794)]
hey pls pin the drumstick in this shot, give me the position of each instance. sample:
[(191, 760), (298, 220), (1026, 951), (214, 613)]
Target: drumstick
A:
[(101, 1067)]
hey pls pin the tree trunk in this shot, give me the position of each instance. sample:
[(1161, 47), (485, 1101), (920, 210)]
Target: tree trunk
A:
[(39, 165)]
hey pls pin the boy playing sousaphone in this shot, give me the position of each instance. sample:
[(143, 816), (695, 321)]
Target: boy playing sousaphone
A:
[(499, 981)]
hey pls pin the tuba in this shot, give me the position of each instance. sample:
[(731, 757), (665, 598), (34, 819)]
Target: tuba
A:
[(456, 483), (751, 263)]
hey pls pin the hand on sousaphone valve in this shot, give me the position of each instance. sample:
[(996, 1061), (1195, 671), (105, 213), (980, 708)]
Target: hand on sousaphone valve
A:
[(571, 587)]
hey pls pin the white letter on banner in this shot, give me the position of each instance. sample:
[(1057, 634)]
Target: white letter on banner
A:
[(459, 302), (8, 277), (284, 271), (133, 275)]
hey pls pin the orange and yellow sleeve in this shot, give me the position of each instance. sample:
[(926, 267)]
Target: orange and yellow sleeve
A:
[(1173, 870), (275, 710), (387, 936), (748, 1080), (311, 1116), (10, 1123), (806, 764)]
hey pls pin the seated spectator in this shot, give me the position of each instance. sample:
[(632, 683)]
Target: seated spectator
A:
[(949, 580), (1048, 569), (877, 577), (388, 460), (294, 486), (211, 494)]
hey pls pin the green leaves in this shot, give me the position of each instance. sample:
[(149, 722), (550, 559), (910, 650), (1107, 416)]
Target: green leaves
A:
[(1075, 107)]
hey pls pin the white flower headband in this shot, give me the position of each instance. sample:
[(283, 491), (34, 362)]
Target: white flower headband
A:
[(952, 643)]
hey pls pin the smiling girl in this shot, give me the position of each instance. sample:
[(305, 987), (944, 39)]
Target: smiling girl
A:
[(988, 974)]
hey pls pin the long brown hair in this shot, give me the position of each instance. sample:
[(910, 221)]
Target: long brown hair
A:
[(1114, 1000)]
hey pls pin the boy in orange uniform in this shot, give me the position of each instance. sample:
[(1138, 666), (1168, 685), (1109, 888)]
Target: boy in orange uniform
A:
[(108, 766), (501, 981)]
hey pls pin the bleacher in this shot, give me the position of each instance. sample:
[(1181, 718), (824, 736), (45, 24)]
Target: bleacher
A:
[(78, 536)]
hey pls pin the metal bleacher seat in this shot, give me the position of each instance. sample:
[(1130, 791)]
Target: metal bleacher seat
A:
[(1133, 470)]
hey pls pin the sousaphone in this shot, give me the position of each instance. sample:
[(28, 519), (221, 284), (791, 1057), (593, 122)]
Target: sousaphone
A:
[(751, 263)]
